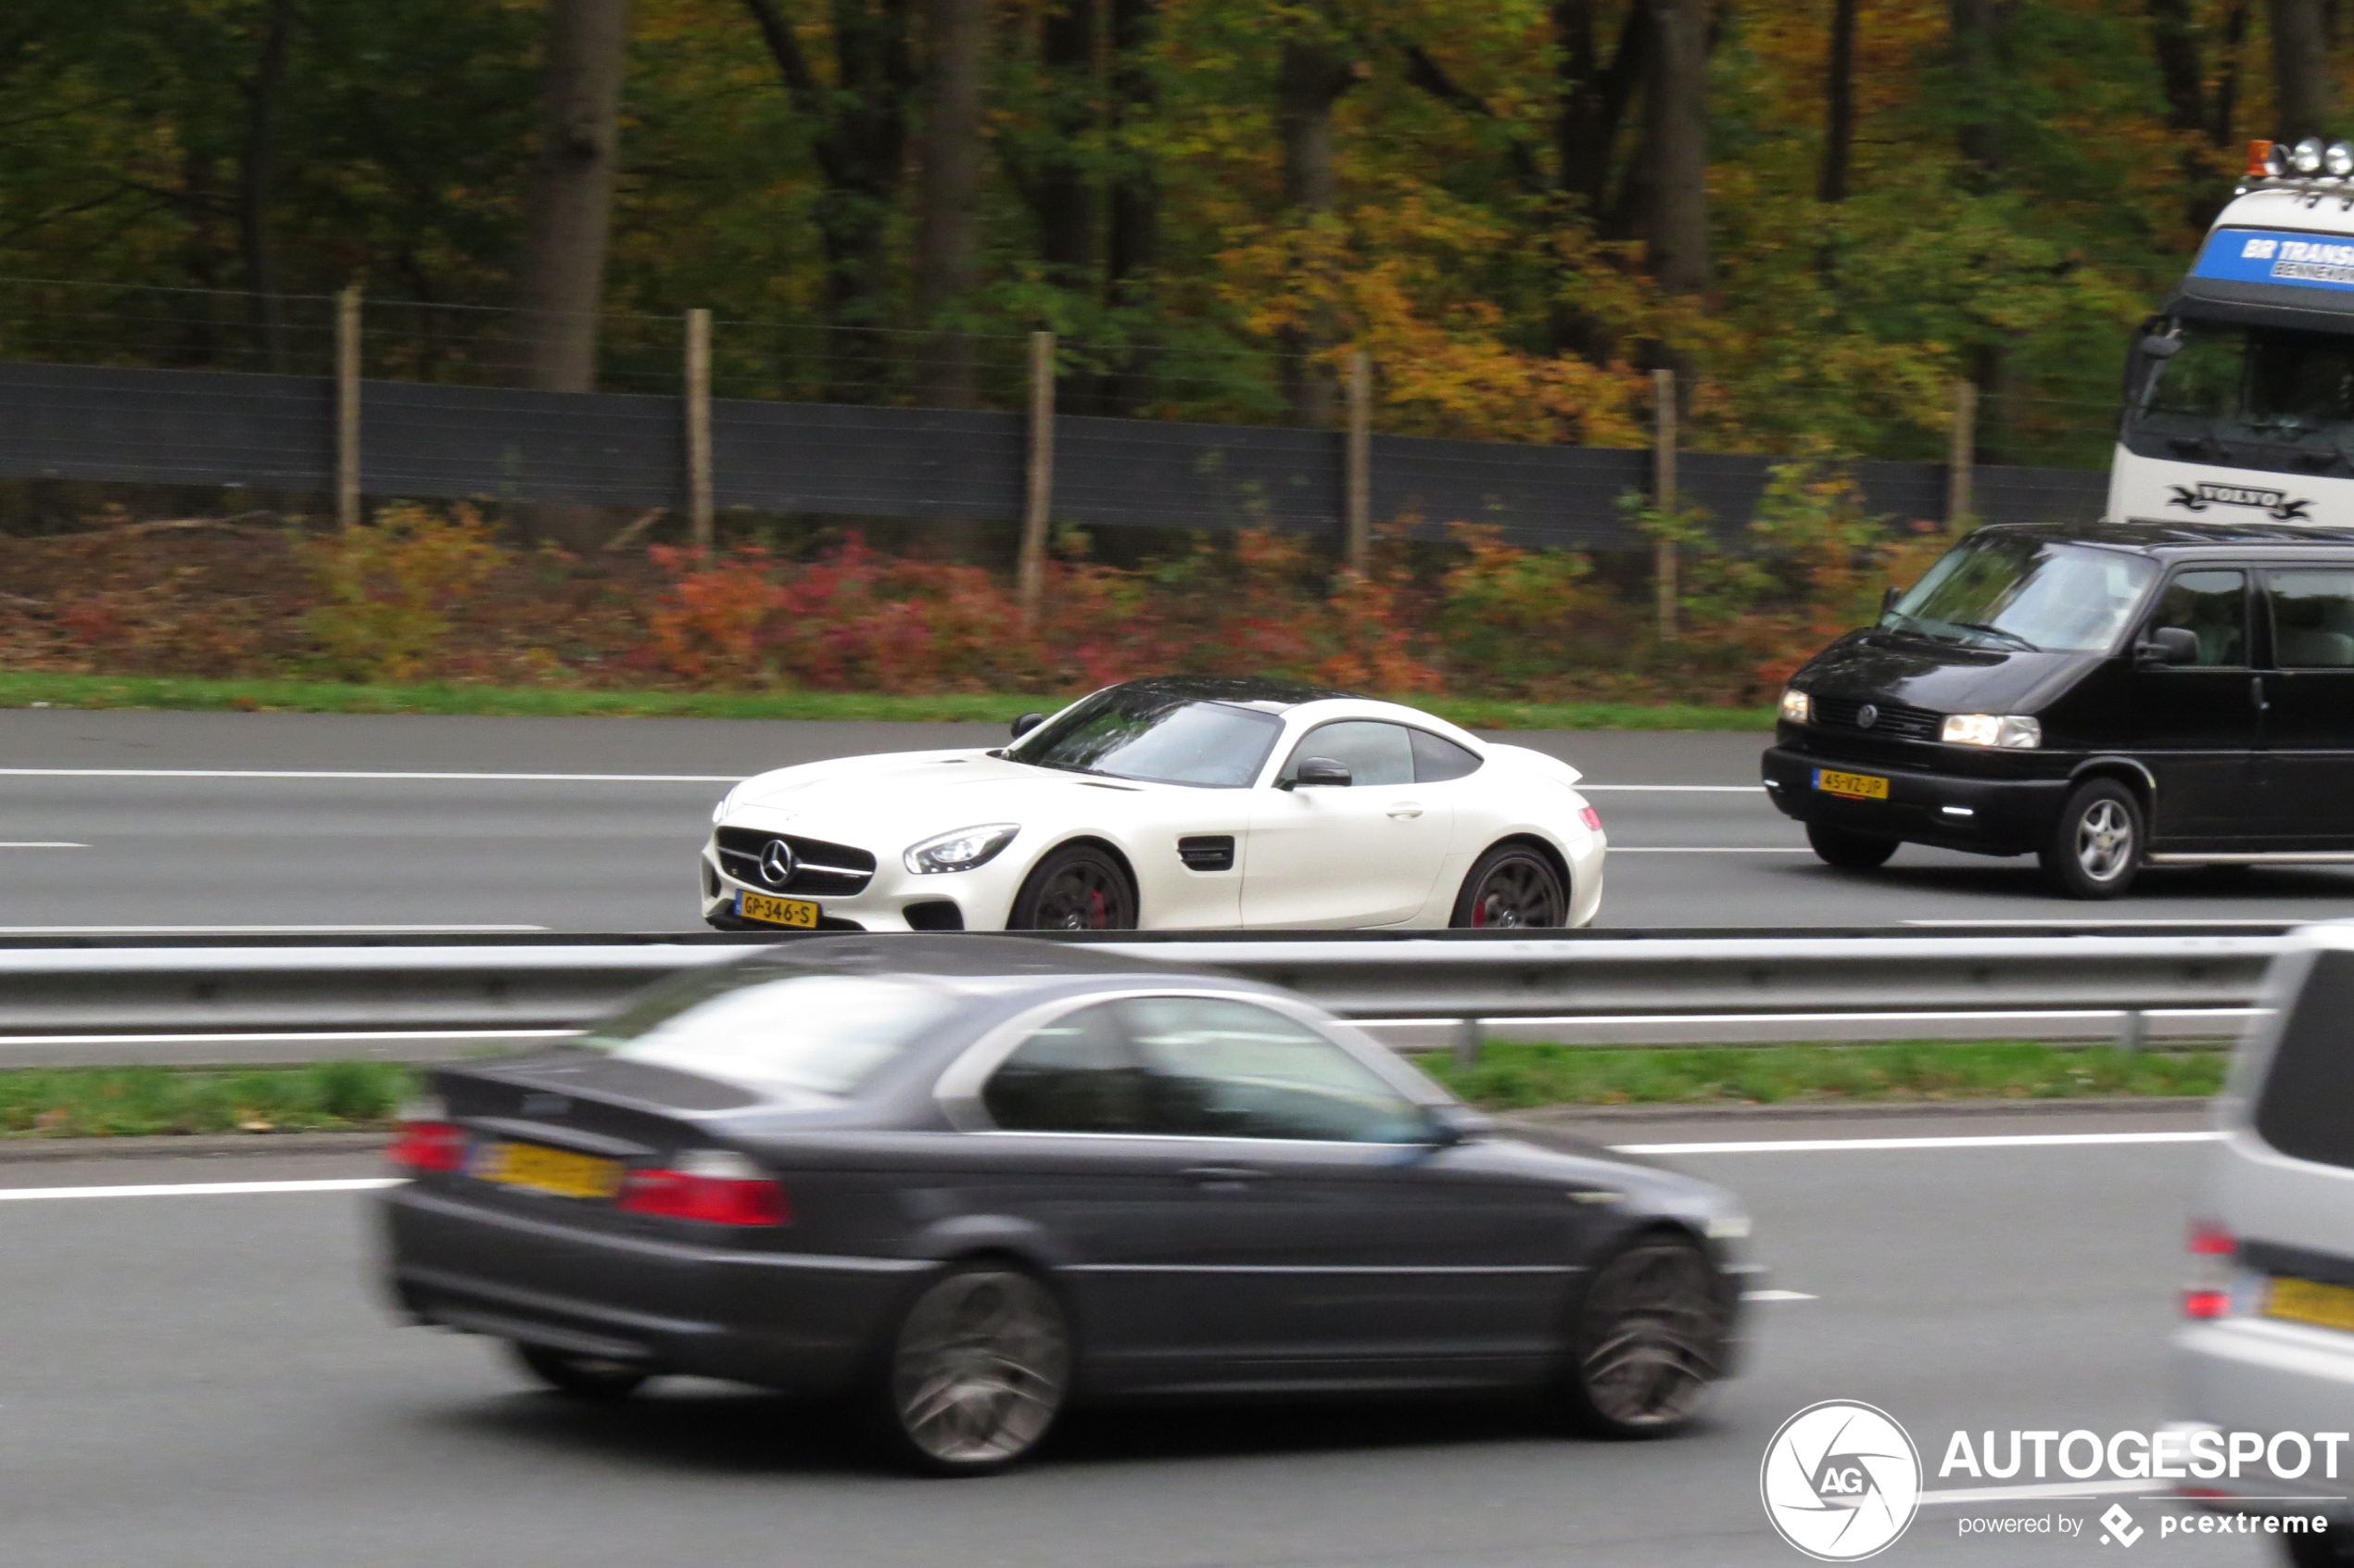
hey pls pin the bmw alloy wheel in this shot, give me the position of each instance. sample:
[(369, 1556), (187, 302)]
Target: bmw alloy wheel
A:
[(980, 1371), (1649, 1336)]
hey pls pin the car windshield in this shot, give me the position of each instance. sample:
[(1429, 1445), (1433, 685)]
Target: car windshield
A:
[(1153, 737), (2029, 595), (825, 1032)]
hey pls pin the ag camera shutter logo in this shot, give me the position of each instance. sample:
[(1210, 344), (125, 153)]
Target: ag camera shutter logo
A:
[(1842, 1481)]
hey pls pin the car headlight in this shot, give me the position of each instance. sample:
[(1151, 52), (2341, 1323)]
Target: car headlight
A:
[(2011, 731), (1796, 706), (962, 849), (719, 812)]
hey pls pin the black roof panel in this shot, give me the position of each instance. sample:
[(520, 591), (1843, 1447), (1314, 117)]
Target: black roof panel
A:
[(2178, 535)]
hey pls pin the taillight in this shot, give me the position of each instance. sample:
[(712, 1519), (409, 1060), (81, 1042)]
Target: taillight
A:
[(2209, 1294), (425, 1145), (1591, 817), (714, 1186)]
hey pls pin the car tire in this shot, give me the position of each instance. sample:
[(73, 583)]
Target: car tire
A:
[(579, 1377), (1645, 1340), (1077, 888), (1848, 850), (974, 1372), (2095, 847), (1512, 886)]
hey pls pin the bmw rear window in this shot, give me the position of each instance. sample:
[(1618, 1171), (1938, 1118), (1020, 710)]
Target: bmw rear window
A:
[(822, 1033), (2306, 1109)]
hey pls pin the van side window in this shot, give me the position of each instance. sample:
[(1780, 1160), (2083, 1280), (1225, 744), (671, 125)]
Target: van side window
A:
[(2213, 605), (2301, 1111), (2313, 620)]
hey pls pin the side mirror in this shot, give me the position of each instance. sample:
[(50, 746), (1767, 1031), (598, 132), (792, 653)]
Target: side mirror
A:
[(1450, 1125), (1888, 598), (1321, 772), (2162, 347), (2167, 645), (1027, 723)]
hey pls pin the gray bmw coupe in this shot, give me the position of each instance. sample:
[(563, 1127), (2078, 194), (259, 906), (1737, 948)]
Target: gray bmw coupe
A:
[(968, 1181)]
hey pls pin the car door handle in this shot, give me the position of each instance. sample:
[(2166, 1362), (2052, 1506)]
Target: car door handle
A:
[(1222, 1175), (1405, 809)]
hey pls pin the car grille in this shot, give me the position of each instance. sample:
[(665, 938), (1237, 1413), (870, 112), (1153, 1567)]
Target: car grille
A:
[(1894, 720), (819, 868)]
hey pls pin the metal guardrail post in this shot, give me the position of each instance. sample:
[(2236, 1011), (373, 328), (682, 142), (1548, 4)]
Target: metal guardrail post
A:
[(1468, 1034), (2133, 1030)]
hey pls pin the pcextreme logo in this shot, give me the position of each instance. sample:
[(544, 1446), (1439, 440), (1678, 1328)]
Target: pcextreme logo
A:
[(1841, 1481)]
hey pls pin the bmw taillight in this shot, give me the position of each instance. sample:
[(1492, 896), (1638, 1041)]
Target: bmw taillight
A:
[(713, 1186), (427, 1141), (2209, 1294)]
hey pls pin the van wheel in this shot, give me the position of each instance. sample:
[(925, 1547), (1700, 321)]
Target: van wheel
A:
[(2095, 847), (1849, 852)]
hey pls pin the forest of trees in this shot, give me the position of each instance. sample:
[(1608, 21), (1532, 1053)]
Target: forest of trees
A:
[(1821, 211)]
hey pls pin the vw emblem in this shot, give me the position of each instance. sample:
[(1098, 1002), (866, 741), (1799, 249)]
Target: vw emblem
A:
[(1866, 716), (777, 864)]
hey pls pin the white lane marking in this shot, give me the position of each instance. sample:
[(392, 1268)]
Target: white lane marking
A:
[(1661, 788), (41, 843), (2266, 925), (292, 773), (327, 1037), (259, 930), (2032, 1494), (200, 1189), (1703, 849), (1990, 1140), (1777, 1295)]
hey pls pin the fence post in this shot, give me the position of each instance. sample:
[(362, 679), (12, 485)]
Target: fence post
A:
[(1663, 493), (1038, 500), (699, 430), (1960, 457), (348, 406), (1360, 463)]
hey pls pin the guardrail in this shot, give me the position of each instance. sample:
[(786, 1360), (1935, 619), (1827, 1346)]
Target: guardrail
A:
[(420, 1000)]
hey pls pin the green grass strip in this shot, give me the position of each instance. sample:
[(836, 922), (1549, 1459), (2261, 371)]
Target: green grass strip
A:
[(20, 690), (132, 1101), (1520, 1077)]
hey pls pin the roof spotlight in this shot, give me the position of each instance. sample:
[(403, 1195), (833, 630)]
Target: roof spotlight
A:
[(2306, 159), (2275, 158), (2338, 159)]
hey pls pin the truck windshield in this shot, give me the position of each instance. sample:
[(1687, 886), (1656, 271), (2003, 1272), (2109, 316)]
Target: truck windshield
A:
[(2233, 381), (2025, 594)]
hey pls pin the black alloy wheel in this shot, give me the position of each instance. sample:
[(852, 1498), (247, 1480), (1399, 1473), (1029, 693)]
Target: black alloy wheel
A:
[(1512, 886), (1847, 849), (582, 1377), (977, 1372), (1646, 1342), (1076, 888), (2096, 848)]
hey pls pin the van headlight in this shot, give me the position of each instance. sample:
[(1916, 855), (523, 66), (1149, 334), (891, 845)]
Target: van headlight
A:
[(1796, 706), (2010, 731), (960, 850)]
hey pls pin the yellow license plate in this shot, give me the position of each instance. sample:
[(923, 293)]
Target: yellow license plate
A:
[(777, 911), (2310, 1301), (544, 1169), (1855, 785)]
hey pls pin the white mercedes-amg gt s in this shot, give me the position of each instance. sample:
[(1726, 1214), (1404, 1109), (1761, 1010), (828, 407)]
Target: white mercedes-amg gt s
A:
[(1173, 803)]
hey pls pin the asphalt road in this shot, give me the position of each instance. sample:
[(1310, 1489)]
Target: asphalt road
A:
[(206, 1381), (182, 825)]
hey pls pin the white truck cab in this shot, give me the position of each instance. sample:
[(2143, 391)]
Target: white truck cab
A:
[(2239, 401)]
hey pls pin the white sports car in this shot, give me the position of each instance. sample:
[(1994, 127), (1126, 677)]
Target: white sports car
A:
[(1179, 802)]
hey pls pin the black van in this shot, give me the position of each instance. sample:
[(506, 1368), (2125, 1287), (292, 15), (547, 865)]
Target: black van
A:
[(2106, 697)]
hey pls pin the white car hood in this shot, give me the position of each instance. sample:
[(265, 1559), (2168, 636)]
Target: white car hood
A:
[(903, 796)]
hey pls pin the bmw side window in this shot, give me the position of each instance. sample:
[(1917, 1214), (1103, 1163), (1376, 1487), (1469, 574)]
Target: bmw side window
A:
[(1437, 760), (1374, 753), (1231, 1070), (2213, 606), (2312, 620), (1074, 1075)]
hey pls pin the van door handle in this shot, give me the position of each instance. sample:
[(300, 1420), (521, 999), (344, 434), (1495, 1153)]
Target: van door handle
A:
[(2255, 693), (1402, 810), (1222, 1175)]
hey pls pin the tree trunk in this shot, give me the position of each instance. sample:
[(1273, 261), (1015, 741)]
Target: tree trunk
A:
[(948, 219), (1134, 247), (256, 172), (1677, 108), (569, 217), (2301, 69), (1972, 24), (1593, 98), (2219, 127), (1065, 195), (2174, 39), (1314, 71), (1839, 104)]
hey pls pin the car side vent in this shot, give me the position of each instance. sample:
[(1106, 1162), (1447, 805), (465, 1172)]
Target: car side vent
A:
[(1207, 851)]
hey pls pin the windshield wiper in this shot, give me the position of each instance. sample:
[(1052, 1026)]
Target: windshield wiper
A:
[(2012, 638)]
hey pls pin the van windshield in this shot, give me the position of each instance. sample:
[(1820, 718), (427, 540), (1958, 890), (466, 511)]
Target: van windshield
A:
[(2029, 595)]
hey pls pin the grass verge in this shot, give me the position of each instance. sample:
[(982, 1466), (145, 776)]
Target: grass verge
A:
[(20, 690), (1520, 1077), (128, 1101)]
